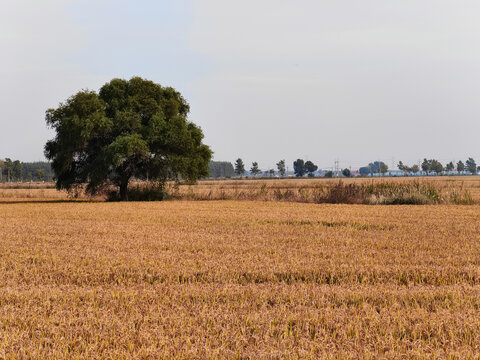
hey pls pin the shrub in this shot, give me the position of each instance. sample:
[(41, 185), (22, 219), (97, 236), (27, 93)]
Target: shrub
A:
[(146, 192)]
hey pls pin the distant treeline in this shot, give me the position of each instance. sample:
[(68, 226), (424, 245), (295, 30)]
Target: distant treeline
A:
[(375, 168), (16, 171)]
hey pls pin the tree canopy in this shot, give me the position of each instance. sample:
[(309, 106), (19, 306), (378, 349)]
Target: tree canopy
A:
[(471, 165), (310, 167), (346, 172), (281, 167), (130, 129), (239, 167), (299, 167), (255, 169), (221, 169)]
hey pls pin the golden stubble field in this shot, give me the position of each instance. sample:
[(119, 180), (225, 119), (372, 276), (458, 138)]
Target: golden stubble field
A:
[(238, 279)]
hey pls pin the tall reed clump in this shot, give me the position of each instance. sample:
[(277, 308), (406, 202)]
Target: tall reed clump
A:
[(393, 193), (415, 193)]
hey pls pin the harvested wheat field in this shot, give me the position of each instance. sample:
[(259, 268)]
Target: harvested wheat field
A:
[(238, 279)]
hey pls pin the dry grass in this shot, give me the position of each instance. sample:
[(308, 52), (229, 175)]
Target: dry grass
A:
[(238, 279), (442, 190), (426, 190), (28, 185)]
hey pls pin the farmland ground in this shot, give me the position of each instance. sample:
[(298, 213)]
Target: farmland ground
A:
[(237, 279)]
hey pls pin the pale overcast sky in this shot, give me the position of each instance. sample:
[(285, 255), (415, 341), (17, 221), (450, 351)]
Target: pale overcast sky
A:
[(266, 79)]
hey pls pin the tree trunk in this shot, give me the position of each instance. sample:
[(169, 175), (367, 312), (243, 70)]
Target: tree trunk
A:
[(123, 190)]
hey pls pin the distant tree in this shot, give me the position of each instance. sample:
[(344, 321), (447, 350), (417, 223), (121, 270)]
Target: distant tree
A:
[(310, 167), (407, 169), (271, 172), (329, 174), (254, 169), (40, 175), (450, 166), (432, 165), (30, 168), (346, 172), (436, 166), (378, 167), (460, 166), (471, 166), (239, 167), (281, 168), (8, 169), (299, 167), (221, 169), (17, 170), (364, 171), (478, 169), (426, 166), (383, 168)]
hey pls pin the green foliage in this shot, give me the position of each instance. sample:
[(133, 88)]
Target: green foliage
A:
[(432, 165), (450, 166), (39, 175), (425, 166), (239, 167), (7, 168), (378, 167), (149, 192), (254, 169), (329, 174), (281, 167), (221, 169), (37, 171), (346, 172), (388, 193), (130, 129), (407, 169), (16, 171), (310, 167), (460, 166), (299, 167), (436, 166), (364, 171), (471, 166)]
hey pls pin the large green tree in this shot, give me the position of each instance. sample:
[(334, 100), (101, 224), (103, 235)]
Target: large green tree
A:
[(131, 129)]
